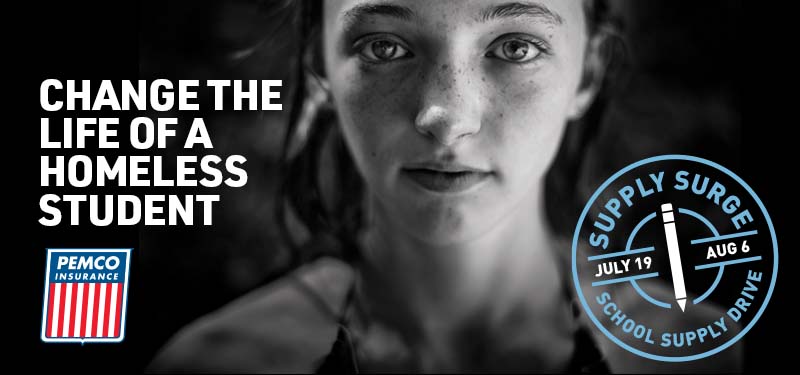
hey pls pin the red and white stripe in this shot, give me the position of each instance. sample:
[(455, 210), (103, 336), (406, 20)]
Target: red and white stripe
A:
[(82, 310)]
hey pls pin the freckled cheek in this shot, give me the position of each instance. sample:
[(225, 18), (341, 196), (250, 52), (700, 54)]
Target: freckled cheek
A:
[(511, 110), (374, 118), (527, 120)]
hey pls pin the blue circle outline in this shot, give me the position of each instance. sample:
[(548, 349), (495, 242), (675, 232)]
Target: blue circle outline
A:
[(575, 249)]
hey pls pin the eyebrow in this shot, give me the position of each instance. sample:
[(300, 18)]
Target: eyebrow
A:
[(359, 12), (521, 9)]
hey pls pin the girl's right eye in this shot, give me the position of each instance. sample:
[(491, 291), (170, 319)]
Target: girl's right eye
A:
[(381, 50)]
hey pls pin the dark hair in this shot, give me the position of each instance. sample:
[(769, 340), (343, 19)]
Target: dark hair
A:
[(330, 226)]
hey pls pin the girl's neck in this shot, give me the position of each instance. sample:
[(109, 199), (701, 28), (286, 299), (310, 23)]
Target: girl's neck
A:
[(434, 293)]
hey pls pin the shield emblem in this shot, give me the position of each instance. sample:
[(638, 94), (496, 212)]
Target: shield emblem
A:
[(85, 295)]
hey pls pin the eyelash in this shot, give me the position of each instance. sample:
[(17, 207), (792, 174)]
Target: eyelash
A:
[(541, 47), (362, 43)]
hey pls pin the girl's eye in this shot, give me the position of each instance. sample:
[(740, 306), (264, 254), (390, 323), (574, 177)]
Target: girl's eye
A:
[(515, 50), (382, 50)]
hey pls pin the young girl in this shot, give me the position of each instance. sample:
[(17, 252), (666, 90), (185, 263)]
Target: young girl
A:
[(437, 123)]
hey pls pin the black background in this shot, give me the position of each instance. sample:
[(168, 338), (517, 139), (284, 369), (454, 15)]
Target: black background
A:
[(100, 40)]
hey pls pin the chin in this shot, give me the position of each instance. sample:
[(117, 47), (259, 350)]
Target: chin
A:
[(448, 225), (443, 219)]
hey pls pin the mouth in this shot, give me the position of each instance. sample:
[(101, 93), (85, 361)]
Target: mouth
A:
[(445, 178)]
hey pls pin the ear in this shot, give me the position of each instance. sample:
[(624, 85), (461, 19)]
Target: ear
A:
[(594, 70)]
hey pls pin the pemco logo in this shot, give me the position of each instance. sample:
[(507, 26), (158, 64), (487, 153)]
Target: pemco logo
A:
[(85, 295)]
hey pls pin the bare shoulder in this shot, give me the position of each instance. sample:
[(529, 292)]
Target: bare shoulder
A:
[(620, 360), (275, 328)]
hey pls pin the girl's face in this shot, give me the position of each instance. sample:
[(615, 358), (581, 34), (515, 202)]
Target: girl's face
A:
[(454, 109)]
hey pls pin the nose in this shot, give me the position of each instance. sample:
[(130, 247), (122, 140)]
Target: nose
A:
[(449, 104)]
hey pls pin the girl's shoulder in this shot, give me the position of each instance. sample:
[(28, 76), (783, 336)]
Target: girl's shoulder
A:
[(288, 325)]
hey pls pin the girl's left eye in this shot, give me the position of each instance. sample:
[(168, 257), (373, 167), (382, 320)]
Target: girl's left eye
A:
[(382, 50), (515, 50)]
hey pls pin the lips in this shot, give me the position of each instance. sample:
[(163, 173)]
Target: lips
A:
[(443, 178)]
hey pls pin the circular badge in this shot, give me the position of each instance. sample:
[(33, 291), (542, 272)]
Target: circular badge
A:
[(674, 258)]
